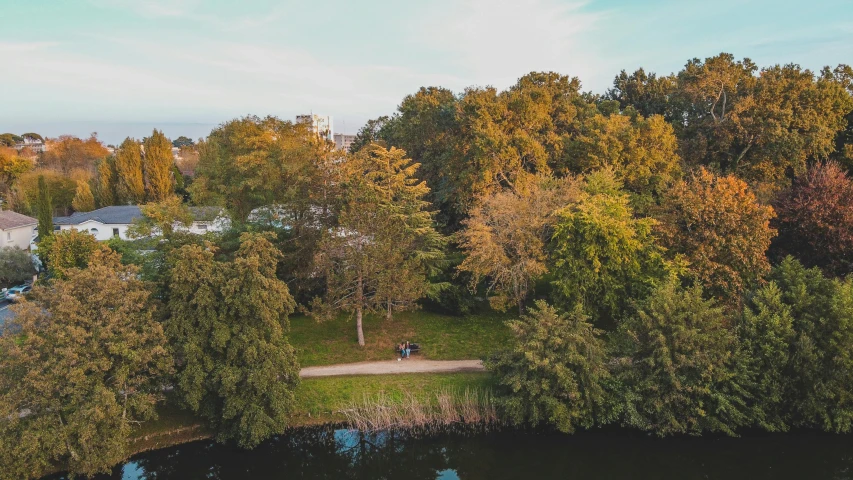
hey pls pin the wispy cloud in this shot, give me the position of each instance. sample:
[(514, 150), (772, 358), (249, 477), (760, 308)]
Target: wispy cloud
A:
[(24, 47), (496, 41), (151, 8)]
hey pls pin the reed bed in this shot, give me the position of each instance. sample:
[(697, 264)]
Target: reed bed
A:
[(470, 407)]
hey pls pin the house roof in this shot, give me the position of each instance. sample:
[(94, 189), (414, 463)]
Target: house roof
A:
[(10, 219), (125, 214), (116, 215), (205, 214)]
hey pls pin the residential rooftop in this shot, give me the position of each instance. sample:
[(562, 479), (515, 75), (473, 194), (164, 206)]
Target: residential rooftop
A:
[(10, 219)]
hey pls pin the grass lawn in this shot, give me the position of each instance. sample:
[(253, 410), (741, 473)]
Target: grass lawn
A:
[(441, 337)]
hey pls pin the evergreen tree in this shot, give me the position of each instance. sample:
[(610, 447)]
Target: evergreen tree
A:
[(381, 254), (766, 332), (553, 371), (228, 324), (44, 209), (678, 366)]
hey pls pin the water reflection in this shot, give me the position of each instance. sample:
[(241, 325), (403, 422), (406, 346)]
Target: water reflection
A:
[(325, 453)]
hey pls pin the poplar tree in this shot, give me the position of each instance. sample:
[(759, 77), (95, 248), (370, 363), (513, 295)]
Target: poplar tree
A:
[(105, 185), (83, 200), (130, 186), (157, 164)]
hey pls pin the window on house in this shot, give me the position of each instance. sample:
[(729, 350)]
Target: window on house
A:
[(8, 235), (202, 226), (94, 231), (115, 232)]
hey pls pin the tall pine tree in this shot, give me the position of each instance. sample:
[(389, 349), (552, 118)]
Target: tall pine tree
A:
[(382, 253), (44, 209)]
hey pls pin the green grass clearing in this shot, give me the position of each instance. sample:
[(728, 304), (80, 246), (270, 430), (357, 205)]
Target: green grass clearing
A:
[(441, 337)]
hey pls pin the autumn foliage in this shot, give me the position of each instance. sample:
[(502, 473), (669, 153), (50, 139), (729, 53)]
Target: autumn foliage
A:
[(719, 227)]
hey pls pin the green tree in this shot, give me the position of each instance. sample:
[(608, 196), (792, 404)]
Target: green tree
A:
[(25, 194), (253, 162), (602, 256), (553, 371), (717, 224), (647, 93), (161, 218), (766, 334), (381, 253), (88, 367), (821, 367), (158, 163), (44, 209), (130, 183), (67, 250), (227, 323), (678, 365), (182, 141), (642, 152), (374, 131), (16, 266), (505, 239)]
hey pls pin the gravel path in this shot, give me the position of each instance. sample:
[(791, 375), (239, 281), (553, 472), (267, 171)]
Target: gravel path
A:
[(409, 365)]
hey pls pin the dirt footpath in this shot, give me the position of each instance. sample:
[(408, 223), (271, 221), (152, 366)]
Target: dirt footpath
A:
[(408, 365)]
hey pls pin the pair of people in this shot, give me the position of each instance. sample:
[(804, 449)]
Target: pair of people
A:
[(405, 350)]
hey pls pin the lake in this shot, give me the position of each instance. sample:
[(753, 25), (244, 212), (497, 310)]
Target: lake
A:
[(326, 453)]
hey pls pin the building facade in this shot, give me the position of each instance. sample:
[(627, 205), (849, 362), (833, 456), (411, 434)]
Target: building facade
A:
[(343, 141), (321, 125), (16, 230), (108, 222), (34, 144)]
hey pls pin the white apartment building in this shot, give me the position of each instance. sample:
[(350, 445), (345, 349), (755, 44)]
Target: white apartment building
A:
[(321, 125), (34, 144), (343, 141)]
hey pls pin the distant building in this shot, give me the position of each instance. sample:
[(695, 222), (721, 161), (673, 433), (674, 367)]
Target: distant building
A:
[(108, 222), (321, 125), (343, 141), (33, 144), (16, 230)]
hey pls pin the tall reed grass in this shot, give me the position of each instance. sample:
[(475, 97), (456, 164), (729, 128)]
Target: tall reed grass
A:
[(471, 407)]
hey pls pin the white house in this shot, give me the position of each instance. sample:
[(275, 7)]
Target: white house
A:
[(108, 222), (34, 144), (16, 230)]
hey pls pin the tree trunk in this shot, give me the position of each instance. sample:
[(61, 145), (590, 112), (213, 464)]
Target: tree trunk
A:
[(358, 310), (388, 314)]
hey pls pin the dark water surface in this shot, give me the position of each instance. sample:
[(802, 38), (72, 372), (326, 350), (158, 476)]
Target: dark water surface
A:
[(326, 453)]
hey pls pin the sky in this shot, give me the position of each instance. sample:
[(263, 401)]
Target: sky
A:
[(123, 67)]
